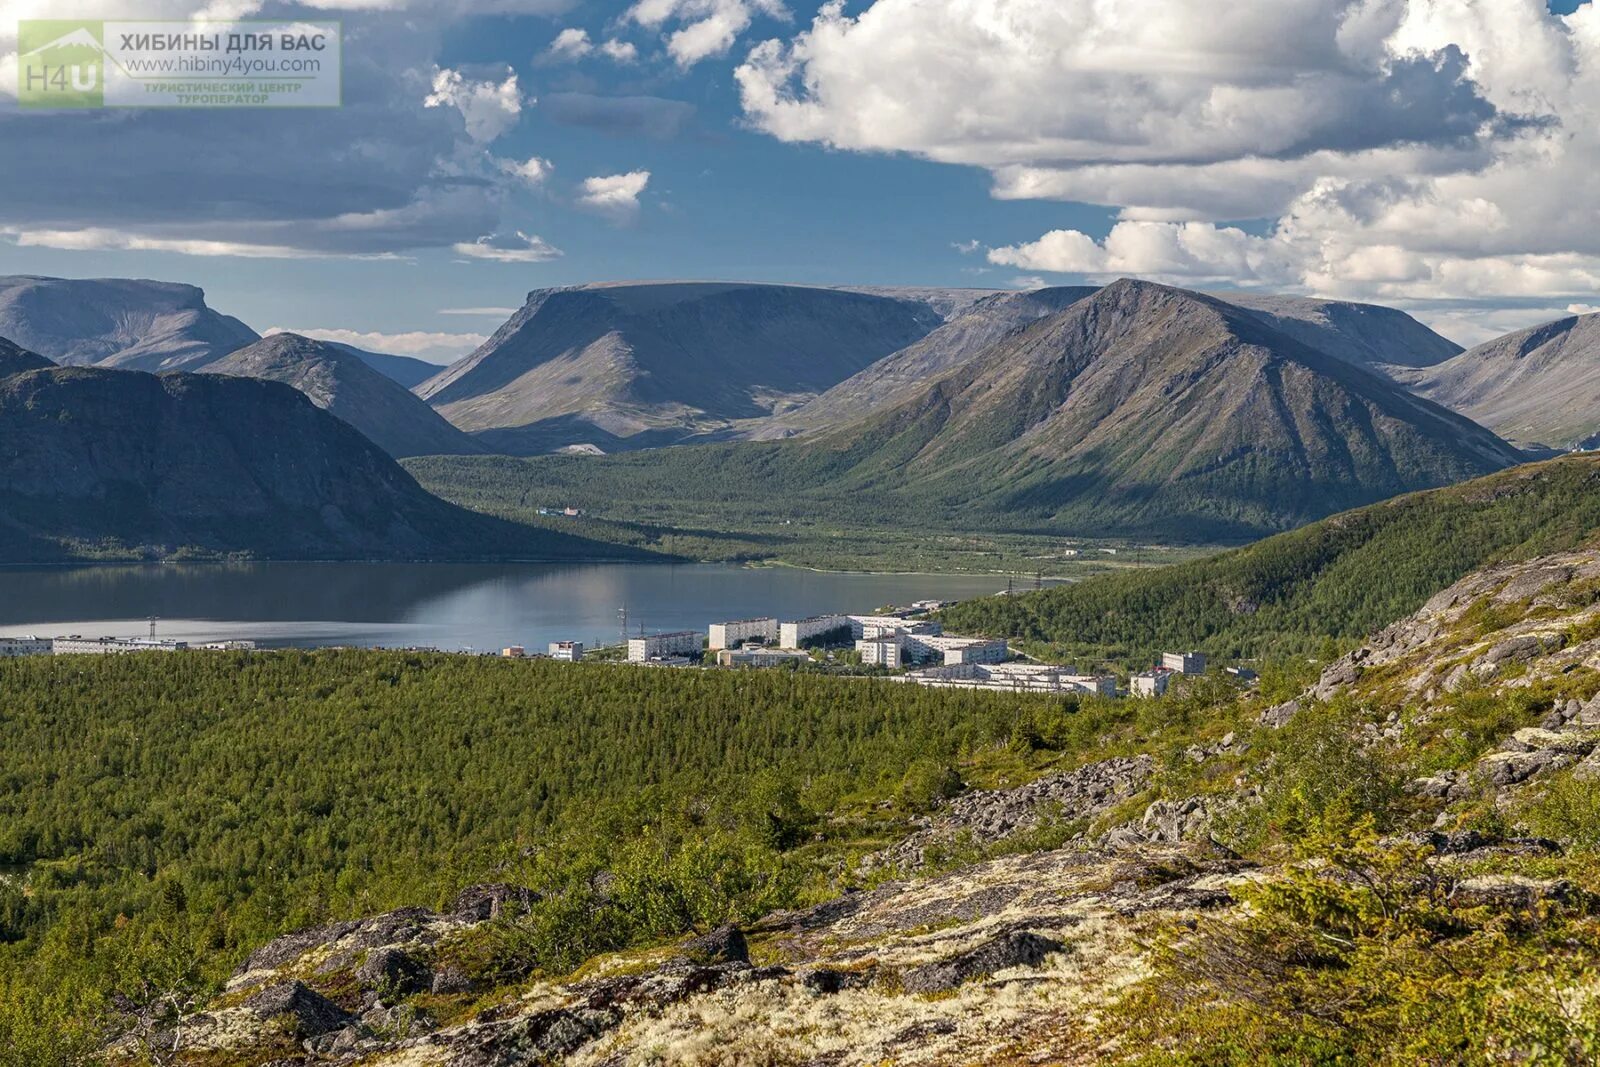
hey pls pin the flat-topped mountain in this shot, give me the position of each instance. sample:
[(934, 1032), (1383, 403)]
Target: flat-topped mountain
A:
[(1538, 387), (627, 366), (14, 359), (133, 324), (339, 380), (1381, 339), (117, 464)]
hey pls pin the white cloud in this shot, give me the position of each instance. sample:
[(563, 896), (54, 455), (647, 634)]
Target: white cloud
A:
[(96, 239), (433, 347), (966, 248), (1184, 253), (485, 312), (1420, 152), (532, 171), (571, 43), (620, 51), (616, 195), (1583, 309), (509, 248), (489, 108), (707, 28)]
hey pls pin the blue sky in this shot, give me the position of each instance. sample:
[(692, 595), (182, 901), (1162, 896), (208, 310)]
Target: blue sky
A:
[(896, 146)]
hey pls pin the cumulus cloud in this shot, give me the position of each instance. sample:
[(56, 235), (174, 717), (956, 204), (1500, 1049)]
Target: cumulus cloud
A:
[(531, 171), (620, 51), (706, 28), (571, 43), (616, 195), (486, 312), (1428, 153), (488, 107), (433, 347), (515, 247)]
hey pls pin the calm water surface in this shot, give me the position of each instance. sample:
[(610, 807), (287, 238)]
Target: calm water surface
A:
[(441, 605)]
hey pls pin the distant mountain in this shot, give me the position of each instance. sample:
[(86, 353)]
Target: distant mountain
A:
[(117, 322), (1378, 338), (339, 380), (1535, 387), (1147, 407), (115, 464), (407, 371), (977, 325), (628, 366), (14, 359)]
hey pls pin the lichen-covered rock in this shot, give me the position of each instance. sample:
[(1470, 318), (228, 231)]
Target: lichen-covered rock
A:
[(394, 971), (481, 903), (1010, 950), (1509, 891), (725, 944), (296, 1006)]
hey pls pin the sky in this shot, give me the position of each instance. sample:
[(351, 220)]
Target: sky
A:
[(1442, 156)]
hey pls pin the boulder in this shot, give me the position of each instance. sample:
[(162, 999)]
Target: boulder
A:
[(1572, 742), (725, 944), (306, 1012), (394, 971), (1509, 891), (1019, 949), (480, 903)]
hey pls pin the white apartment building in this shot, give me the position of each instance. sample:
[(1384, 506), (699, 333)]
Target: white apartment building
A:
[(959, 649), (566, 651), (1150, 683), (1184, 662), (1015, 678), (75, 645), (796, 634), (888, 651), (663, 646), (24, 646), (733, 634)]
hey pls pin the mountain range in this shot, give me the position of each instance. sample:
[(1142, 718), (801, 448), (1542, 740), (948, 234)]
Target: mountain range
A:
[(1137, 410)]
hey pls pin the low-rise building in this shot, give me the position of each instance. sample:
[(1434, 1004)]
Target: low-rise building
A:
[(566, 651), (1016, 678), (1184, 662), (24, 646), (75, 645), (761, 656), (514, 652), (819, 629), (1243, 674), (1150, 683), (663, 646), (959, 649), (733, 634)]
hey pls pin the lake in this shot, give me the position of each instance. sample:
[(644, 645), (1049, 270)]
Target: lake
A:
[(441, 605)]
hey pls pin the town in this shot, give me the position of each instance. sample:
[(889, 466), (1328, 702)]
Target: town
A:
[(906, 645), (899, 644)]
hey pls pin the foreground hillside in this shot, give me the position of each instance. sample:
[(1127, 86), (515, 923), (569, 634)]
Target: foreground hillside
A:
[(1339, 578), (98, 464), (1393, 862)]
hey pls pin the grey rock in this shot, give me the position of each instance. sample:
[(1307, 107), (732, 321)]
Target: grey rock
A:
[(306, 1012), (725, 944), (492, 900), (1011, 950), (393, 970)]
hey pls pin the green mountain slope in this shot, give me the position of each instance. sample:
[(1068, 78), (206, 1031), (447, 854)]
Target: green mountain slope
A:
[(1342, 577)]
